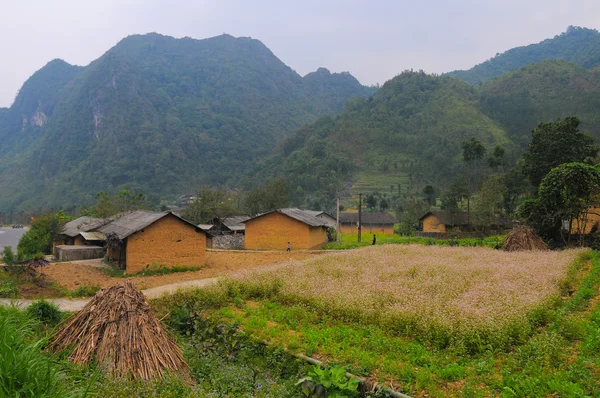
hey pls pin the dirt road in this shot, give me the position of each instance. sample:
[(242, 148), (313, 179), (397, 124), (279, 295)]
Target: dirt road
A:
[(78, 304), (219, 263)]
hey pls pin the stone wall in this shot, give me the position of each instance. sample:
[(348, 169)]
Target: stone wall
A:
[(75, 253), (228, 242)]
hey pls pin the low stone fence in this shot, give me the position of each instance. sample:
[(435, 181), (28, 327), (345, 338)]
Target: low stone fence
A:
[(76, 253), (228, 242)]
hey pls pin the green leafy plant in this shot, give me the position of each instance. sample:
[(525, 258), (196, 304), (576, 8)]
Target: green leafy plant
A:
[(328, 382), (84, 291), (8, 257), (45, 311), (8, 289)]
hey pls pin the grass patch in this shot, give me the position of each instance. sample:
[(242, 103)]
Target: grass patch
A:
[(84, 291), (150, 270), (555, 358), (350, 241), (445, 296)]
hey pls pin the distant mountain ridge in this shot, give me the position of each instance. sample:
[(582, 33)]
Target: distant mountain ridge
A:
[(580, 46), (409, 133), (163, 114)]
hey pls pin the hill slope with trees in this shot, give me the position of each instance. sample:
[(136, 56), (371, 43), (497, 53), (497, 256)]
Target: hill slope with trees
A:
[(156, 113), (409, 134), (580, 46)]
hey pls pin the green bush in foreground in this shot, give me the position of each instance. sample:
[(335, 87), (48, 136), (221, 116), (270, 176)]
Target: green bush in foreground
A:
[(44, 311), (24, 370)]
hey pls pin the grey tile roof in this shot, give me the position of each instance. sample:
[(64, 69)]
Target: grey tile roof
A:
[(297, 214), (92, 235), (82, 224), (236, 223), (367, 218), (133, 222)]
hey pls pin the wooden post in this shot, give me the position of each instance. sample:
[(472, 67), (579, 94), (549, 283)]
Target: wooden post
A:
[(359, 215), (337, 218)]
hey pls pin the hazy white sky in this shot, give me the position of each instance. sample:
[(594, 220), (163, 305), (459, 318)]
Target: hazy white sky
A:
[(374, 40)]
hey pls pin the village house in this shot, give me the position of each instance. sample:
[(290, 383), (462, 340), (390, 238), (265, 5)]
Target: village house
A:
[(443, 222), (70, 233), (273, 231), (588, 223), (144, 238), (78, 241), (226, 233), (373, 223), (328, 218)]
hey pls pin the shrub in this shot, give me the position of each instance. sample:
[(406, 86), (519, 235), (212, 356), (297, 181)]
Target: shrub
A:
[(8, 257), (45, 311), (84, 291), (8, 289), (24, 370)]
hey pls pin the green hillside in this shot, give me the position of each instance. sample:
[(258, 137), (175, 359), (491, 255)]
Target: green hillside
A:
[(521, 100), (577, 45), (408, 134), (162, 114)]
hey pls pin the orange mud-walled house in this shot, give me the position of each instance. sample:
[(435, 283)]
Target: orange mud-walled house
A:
[(144, 238), (373, 223), (273, 231)]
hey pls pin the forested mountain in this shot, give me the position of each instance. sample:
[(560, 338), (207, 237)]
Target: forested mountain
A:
[(580, 46), (159, 113), (541, 92), (410, 132)]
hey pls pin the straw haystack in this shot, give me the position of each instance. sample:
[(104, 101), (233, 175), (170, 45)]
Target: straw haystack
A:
[(523, 238), (118, 329)]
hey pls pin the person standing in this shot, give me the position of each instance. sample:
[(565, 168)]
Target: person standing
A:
[(374, 239), (289, 247)]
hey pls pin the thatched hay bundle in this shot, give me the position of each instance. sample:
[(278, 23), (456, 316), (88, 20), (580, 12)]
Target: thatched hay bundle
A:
[(117, 328), (523, 238)]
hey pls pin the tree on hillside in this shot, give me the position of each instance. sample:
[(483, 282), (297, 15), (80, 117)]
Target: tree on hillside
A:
[(210, 203), (497, 160), (429, 193), (556, 143), (274, 195), (565, 196)]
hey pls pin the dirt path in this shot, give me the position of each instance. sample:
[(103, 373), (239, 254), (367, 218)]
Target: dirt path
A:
[(77, 304), (219, 263)]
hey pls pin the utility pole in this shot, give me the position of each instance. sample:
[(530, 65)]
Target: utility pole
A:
[(359, 215), (337, 218)]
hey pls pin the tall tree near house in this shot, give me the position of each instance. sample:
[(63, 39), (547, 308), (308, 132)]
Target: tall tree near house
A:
[(108, 205), (489, 200), (472, 151), (274, 195), (555, 143), (210, 203), (371, 201), (565, 195)]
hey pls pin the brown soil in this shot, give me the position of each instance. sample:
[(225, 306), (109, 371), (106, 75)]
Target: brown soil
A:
[(219, 263)]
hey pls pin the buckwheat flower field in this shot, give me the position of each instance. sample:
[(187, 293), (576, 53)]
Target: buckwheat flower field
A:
[(438, 293)]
